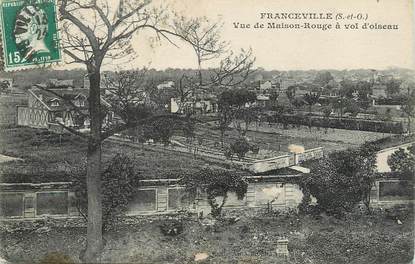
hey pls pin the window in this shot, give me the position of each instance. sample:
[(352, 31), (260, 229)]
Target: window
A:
[(395, 190), (52, 203), (179, 198), (143, 200), (11, 204)]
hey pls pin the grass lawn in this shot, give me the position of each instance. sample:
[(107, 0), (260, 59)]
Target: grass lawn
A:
[(357, 239), (45, 156)]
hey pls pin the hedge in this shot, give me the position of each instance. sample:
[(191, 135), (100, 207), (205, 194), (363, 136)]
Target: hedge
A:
[(342, 123)]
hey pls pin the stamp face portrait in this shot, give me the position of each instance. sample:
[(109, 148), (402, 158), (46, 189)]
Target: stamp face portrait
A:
[(30, 34)]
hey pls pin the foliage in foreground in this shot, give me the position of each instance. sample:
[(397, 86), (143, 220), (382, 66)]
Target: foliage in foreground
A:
[(216, 183), (118, 184), (343, 179), (402, 162)]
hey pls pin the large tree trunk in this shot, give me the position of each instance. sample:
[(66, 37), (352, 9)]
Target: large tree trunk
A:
[(94, 227), (199, 72)]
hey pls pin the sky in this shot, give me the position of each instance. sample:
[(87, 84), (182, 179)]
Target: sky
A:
[(301, 49)]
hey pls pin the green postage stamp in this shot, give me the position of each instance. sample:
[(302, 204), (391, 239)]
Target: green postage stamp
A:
[(30, 34)]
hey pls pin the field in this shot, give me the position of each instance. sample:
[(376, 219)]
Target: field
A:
[(319, 240), (275, 139), (45, 155)]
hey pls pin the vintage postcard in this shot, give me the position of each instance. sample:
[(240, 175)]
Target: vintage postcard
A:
[(209, 131)]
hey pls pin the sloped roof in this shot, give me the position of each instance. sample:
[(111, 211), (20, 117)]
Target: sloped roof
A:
[(62, 95)]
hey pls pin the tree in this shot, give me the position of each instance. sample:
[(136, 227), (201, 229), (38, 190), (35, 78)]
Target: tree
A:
[(408, 107), (119, 181), (93, 31), (347, 89), (290, 92), (274, 97), (205, 38), (352, 107), (340, 104), (393, 87), (161, 130), (364, 89), (297, 102), (311, 99), (244, 117), (323, 78), (240, 147), (343, 179), (216, 183), (234, 69), (402, 162), (232, 104), (327, 112)]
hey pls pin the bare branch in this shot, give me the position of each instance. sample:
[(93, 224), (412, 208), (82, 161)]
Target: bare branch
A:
[(74, 131)]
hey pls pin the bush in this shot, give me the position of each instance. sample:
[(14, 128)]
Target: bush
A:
[(119, 182), (343, 123), (341, 180), (240, 147), (216, 183), (171, 227), (402, 163)]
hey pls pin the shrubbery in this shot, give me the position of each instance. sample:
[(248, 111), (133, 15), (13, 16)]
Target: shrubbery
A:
[(341, 180), (119, 182), (342, 123), (216, 183), (402, 163), (240, 147), (171, 227)]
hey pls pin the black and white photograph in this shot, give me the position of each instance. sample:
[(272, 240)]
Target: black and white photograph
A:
[(207, 131)]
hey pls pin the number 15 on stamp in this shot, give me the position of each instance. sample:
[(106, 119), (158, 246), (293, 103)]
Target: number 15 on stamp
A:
[(29, 34)]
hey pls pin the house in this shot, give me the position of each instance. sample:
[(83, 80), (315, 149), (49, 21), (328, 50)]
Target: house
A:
[(266, 87), (262, 100), (203, 103), (56, 105)]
